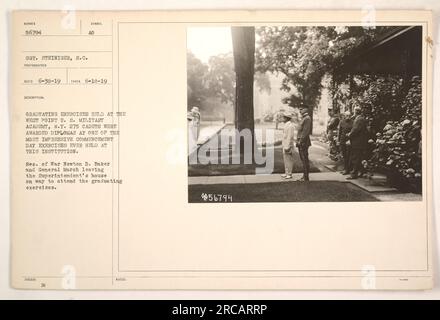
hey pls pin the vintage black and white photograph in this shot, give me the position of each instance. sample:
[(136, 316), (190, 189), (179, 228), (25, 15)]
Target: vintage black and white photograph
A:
[(304, 113)]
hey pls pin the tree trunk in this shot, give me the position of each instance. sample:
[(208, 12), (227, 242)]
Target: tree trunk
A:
[(243, 41), (310, 107)]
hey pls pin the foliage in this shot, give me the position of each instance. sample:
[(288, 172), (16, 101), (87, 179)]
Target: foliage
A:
[(304, 54), (397, 146), (197, 72), (292, 101), (220, 79), (216, 79), (380, 98)]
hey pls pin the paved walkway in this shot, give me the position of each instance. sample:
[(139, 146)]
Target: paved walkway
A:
[(209, 130), (375, 186)]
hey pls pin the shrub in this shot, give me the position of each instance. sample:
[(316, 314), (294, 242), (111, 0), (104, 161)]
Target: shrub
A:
[(397, 149), (393, 111)]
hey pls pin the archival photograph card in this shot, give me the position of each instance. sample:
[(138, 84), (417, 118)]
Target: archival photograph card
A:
[(221, 150)]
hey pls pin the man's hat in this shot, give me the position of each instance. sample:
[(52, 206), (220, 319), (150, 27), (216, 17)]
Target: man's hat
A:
[(195, 109), (288, 114)]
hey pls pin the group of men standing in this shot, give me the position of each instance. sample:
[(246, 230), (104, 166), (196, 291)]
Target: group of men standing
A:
[(302, 142), (352, 138)]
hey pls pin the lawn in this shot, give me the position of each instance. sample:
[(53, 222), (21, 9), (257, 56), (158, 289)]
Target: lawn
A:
[(313, 191), (235, 169)]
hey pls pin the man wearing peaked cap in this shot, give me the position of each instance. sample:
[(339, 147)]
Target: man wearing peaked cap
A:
[(303, 141)]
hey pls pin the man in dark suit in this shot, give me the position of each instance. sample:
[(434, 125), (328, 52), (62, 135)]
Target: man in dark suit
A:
[(303, 141), (332, 129), (345, 126), (358, 140)]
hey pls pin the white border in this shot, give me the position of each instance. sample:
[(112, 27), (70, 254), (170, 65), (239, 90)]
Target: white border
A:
[(7, 5)]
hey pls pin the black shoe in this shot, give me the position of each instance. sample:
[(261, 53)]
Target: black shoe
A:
[(351, 178)]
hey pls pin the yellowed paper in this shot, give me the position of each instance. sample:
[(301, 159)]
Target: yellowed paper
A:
[(100, 187)]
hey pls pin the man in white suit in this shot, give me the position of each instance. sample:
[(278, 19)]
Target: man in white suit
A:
[(288, 144)]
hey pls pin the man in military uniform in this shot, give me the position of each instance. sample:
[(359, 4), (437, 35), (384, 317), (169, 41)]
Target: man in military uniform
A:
[(345, 126), (303, 141), (358, 140)]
